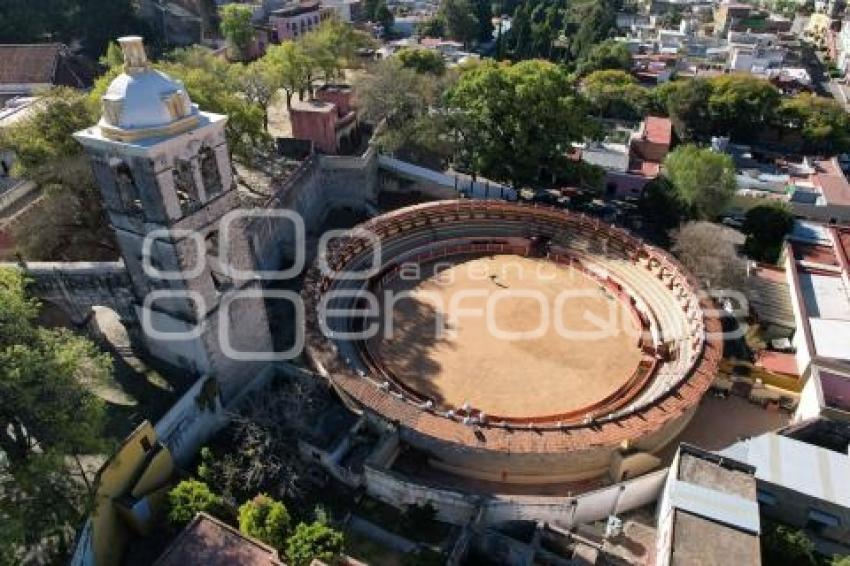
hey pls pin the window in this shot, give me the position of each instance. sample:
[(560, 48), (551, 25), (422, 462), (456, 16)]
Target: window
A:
[(209, 172), (765, 497), (820, 519), (184, 186), (211, 242), (128, 192), (220, 280)]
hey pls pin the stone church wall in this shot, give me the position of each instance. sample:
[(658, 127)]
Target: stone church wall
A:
[(320, 185)]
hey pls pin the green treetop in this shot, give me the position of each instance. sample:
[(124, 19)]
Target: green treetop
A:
[(703, 179), (265, 519), (236, 27)]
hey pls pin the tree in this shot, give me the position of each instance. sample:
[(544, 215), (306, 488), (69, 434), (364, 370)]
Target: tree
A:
[(670, 19), (484, 16), (71, 22), (435, 26), (597, 21), (461, 22), (422, 60), (49, 418), (378, 11), (704, 180), (708, 251), (822, 123), (289, 61), (315, 541), (497, 109), (686, 103), (609, 54), (190, 497), (741, 105), (328, 49), (615, 94), (259, 81), (44, 138), (384, 16), (766, 227), (70, 223), (403, 102), (660, 207), (785, 546), (265, 519), (236, 27)]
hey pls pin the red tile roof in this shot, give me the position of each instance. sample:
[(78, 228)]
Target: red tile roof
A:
[(778, 362), (814, 253), (644, 168), (659, 130), (210, 542), (770, 273)]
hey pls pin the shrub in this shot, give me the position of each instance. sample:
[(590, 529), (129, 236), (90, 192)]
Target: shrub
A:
[(783, 545), (265, 519), (313, 541), (190, 497)]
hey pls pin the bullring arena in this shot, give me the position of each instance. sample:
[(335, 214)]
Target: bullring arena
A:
[(512, 343)]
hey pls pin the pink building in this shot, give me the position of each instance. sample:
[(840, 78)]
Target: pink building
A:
[(296, 20), (631, 158), (329, 120)]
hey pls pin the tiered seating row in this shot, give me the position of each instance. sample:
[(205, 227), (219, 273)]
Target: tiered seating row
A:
[(634, 269)]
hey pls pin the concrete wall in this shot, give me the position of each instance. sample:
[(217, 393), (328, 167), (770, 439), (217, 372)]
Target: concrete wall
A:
[(16, 194), (458, 508), (829, 213), (537, 467), (319, 185)]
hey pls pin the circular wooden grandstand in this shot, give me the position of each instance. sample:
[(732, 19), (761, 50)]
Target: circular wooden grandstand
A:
[(558, 410)]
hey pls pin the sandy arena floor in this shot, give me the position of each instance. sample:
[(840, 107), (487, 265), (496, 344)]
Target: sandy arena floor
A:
[(534, 376)]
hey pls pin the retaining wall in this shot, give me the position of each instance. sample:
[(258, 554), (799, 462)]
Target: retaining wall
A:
[(459, 508)]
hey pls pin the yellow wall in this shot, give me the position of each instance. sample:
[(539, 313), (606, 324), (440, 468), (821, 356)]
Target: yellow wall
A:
[(109, 532)]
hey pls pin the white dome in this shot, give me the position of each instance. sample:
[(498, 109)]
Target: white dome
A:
[(143, 102), (145, 99)]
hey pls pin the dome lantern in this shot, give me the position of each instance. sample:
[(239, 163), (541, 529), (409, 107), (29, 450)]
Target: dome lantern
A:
[(142, 102)]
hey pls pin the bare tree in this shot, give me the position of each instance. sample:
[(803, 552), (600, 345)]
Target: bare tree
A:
[(262, 442), (710, 252)]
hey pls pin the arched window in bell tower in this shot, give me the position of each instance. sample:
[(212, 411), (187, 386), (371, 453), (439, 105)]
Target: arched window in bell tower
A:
[(128, 192), (209, 172), (184, 186), (221, 280)]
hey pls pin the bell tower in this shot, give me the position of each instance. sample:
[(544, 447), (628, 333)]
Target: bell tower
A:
[(166, 180)]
